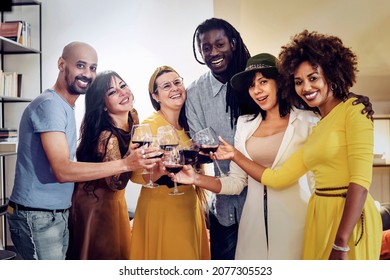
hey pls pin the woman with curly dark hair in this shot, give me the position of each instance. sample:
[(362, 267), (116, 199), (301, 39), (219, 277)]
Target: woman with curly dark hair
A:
[(342, 220)]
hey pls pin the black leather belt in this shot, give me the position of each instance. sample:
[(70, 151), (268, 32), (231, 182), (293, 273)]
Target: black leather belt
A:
[(26, 208)]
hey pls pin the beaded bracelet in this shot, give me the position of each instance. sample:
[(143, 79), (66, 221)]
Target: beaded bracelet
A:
[(340, 248)]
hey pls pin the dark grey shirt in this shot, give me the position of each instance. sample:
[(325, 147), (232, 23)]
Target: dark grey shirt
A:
[(206, 107)]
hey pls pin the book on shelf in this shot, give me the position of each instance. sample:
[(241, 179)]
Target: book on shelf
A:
[(8, 147), (11, 30), (18, 31), (25, 36), (10, 84), (8, 135)]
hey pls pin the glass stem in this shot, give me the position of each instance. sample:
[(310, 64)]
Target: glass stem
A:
[(221, 173)]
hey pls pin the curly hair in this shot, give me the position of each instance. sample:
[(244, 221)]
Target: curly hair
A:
[(338, 63), (240, 57)]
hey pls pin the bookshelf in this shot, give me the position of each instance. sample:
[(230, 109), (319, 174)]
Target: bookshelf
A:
[(16, 57)]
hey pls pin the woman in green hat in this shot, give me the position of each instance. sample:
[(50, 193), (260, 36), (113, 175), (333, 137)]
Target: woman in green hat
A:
[(269, 131)]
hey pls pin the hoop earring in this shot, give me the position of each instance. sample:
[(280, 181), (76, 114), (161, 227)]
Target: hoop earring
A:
[(333, 86)]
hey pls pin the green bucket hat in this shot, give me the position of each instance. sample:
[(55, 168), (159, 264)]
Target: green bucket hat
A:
[(263, 62)]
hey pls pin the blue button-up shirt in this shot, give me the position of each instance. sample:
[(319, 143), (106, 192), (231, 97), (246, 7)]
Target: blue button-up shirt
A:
[(206, 107)]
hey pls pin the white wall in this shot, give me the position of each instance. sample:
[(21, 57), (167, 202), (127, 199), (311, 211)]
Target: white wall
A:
[(132, 37)]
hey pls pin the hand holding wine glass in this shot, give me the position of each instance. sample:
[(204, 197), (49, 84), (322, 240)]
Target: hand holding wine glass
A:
[(186, 175), (225, 151), (208, 142)]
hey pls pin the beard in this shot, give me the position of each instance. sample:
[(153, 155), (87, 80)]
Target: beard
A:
[(73, 87)]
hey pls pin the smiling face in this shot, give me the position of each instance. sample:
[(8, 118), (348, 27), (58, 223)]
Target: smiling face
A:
[(264, 92), (79, 68), (118, 97), (216, 50), (312, 87), (170, 97)]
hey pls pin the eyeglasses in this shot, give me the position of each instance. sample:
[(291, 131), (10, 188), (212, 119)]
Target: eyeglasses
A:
[(167, 86)]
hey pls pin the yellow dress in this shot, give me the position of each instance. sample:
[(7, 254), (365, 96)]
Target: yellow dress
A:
[(168, 227), (339, 151)]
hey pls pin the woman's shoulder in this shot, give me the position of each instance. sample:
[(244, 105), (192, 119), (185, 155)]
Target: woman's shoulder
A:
[(305, 115), (247, 118)]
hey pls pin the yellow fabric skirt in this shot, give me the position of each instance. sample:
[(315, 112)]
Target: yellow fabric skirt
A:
[(169, 227), (322, 222)]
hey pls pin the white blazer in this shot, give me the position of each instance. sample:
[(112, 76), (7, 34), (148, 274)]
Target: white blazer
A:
[(286, 207)]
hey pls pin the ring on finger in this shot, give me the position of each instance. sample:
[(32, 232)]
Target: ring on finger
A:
[(143, 156)]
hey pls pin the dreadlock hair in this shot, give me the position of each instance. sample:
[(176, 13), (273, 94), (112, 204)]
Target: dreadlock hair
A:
[(238, 63)]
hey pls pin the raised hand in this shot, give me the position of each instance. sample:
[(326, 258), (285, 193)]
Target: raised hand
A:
[(225, 150), (141, 158)]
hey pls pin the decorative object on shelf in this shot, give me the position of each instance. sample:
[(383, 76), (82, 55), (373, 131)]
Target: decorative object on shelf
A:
[(11, 30), (8, 135), (18, 31)]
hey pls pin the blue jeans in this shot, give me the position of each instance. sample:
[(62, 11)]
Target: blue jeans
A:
[(223, 240), (39, 235)]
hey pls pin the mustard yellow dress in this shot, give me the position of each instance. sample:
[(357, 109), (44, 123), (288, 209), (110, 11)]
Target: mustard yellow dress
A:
[(339, 151), (168, 227)]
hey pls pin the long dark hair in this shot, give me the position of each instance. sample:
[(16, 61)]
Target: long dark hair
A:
[(96, 119), (250, 107), (240, 57)]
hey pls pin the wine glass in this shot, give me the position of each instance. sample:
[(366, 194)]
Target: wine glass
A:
[(167, 137), (190, 148), (208, 142), (141, 134), (174, 161), (153, 143)]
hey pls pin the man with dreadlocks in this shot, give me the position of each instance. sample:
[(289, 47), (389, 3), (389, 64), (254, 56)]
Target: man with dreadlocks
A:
[(212, 102)]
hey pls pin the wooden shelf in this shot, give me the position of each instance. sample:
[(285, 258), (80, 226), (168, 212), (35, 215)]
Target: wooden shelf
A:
[(381, 165)]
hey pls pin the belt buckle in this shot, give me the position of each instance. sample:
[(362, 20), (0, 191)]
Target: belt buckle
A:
[(10, 210)]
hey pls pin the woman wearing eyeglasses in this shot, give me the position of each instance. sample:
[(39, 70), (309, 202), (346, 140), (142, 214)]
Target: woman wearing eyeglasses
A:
[(168, 227)]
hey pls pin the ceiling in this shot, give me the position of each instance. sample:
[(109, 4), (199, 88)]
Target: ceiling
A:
[(362, 25)]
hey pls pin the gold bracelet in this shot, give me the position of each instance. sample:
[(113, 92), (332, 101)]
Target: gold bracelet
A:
[(340, 248)]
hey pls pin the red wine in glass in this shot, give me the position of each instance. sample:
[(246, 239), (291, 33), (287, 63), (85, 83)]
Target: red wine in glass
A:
[(209, 142), (190, 156), (202, 159), (174, 168), (207, 149)]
